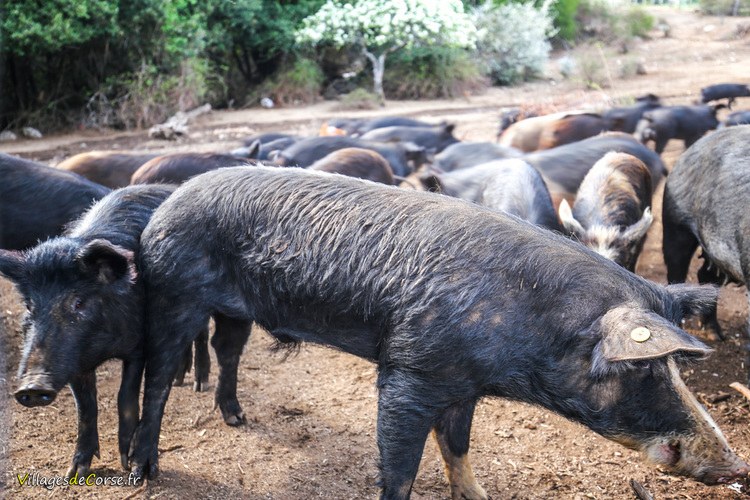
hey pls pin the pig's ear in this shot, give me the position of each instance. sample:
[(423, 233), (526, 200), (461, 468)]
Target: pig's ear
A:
[(106, 262), (694, 300), (637, 231), (568, 221), (253, 150), (12, 265), (431, 182), (632, 334)]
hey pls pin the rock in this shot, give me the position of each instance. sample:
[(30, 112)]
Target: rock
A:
[(31, 133), (7, 136)]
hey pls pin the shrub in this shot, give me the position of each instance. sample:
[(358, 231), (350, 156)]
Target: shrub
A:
[(597, 19), (432, 72), (724, 7), (513, 40), (358, 99), (299, 83)]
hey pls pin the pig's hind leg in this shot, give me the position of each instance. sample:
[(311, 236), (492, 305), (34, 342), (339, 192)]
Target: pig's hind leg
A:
[(228, 341), (202, 361), (452, 433), (406, 411)]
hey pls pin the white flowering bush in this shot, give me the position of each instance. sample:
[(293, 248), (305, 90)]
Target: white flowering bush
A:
[(380, 27), (513, 39)]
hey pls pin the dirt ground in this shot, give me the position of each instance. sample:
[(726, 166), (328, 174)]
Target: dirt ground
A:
[(311, 418)]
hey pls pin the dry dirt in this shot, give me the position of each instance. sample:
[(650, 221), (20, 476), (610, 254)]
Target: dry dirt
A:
[(311, 418)]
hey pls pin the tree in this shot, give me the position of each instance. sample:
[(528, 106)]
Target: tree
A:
[(381, 27)]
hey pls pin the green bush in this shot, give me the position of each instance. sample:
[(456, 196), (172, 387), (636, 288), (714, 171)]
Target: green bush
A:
[(431, 72), (638, 22), (358, 99), (724, 7), (598, 20), (299, 83), (67, 59)]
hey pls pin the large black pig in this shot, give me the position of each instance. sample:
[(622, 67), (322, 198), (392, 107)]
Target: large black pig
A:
[(37, 201), (453, 302), (85, 305), (704, 204)]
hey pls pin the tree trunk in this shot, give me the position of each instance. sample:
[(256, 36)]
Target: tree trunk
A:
[(378, 68)]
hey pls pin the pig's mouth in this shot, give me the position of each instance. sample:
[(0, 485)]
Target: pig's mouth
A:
[(674, 456), (35, 391)]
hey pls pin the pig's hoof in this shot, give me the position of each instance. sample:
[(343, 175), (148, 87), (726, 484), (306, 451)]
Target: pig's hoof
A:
[(78, 470), (124, 461), (146, 471), (178, 381), (235, 420), (468, 491), (199, 385)]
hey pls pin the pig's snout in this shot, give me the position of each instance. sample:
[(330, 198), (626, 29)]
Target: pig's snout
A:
[(737, 470), (36, 391)]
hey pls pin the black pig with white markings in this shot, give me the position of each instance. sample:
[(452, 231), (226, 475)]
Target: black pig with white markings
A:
[(453, 301), (612, 211)]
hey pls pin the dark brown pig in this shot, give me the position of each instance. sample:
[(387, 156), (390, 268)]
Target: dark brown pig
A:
[(108, 168), (356, 162), (178, 167)]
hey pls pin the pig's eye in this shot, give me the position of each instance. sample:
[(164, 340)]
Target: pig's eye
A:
[(77, 305)]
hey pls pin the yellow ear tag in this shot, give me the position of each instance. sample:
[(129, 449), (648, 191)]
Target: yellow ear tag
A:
[(640, 334)]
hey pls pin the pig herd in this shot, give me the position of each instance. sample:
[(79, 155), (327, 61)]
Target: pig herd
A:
[(462, 270)]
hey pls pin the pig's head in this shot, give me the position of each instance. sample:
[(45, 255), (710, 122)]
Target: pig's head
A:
[(623, 382), (81, 309), (621, 245)]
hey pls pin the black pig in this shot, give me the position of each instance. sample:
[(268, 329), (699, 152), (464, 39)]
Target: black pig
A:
[(453, 302), (704, 204), (687, 123), (469, 154), (515, 187), (736, 118), (85, 305), (626, 118), (728, 91), (37, 201), (612, 211), (432, 139)]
